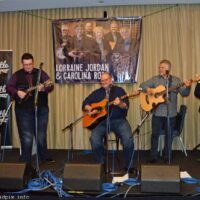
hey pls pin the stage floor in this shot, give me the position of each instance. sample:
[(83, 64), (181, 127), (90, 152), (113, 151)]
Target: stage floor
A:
[(61, 157)]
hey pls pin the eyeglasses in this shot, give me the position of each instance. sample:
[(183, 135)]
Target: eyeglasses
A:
[(28, 65), (104, 80)]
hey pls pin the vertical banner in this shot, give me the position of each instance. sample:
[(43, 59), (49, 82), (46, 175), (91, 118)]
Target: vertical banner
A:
[(85, 48), (5, 111)]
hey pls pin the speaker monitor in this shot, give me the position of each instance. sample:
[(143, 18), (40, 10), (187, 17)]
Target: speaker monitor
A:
[(160, 178), (12, 175), (83, 176)]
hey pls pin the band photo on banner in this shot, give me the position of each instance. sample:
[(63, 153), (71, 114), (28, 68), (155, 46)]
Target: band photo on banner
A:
[(5, 116), (85, 48)]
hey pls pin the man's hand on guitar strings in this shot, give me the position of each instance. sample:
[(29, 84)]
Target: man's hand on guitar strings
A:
[(87, 108), (120, 103), (187, 83)]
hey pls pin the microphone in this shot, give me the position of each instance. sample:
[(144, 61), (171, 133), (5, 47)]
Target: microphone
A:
[(167, 69), (108, 91), (41, 65)]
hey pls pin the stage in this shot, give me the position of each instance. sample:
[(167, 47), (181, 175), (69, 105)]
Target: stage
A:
[(64, 157)]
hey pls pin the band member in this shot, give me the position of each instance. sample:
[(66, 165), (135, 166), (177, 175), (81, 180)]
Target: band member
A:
[(17, 86), (103, 44), (117, 119), (89, 29), (197, 94), (83, 48), (113, 36), (126, 50), (197, 90), (161, 112), (64, 45)]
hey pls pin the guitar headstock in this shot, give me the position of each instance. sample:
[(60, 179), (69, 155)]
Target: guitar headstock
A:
[(48, 83)]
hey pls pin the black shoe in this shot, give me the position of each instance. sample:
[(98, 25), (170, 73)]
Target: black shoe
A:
[(131, 170), (198, 159), (153, 160), (48, 160), (166, 160)]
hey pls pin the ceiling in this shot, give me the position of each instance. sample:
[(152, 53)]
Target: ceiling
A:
[(16, 5)]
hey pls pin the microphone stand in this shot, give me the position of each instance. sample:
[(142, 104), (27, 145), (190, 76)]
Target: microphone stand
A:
[(168, 120), (36, 119), (107, 127), (70, 127), (137, 131)]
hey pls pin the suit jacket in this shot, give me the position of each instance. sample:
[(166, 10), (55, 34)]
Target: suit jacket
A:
[(89, 47), (109, 37), (197, 90)]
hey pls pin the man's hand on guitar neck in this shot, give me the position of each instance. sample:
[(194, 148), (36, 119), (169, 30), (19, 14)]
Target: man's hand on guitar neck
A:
[(41, 88), (187, 83), (118, 102)]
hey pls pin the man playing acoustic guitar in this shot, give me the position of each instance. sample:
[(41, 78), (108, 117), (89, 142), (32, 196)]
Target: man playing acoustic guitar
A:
[(153, 94), (117, 119)]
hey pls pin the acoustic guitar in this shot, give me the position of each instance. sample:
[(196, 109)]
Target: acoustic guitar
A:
[(30, 89), (150, 101), (92, 119)]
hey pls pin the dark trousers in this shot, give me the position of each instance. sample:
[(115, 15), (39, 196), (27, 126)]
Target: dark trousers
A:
[(122, 129), (159, 126), (26, 127)]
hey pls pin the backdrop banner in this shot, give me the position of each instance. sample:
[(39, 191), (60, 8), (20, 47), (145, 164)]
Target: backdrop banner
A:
[(85, 48), (5, 112)]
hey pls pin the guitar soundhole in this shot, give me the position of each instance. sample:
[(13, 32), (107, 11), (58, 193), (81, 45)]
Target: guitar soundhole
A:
[(94, 115), (147, 99), (155, 95), (98, 109)]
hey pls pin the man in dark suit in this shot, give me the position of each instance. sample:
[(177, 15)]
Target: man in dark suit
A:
[(197, 94), (83, 49), (64, 45), (127, 50), (197, 90), (113, 36)]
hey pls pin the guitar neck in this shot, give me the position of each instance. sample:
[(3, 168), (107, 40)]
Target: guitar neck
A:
[(45, 84), (125, 96), (121, 98), (31, 89), (174, 87), (182, 84), (34, 88)]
